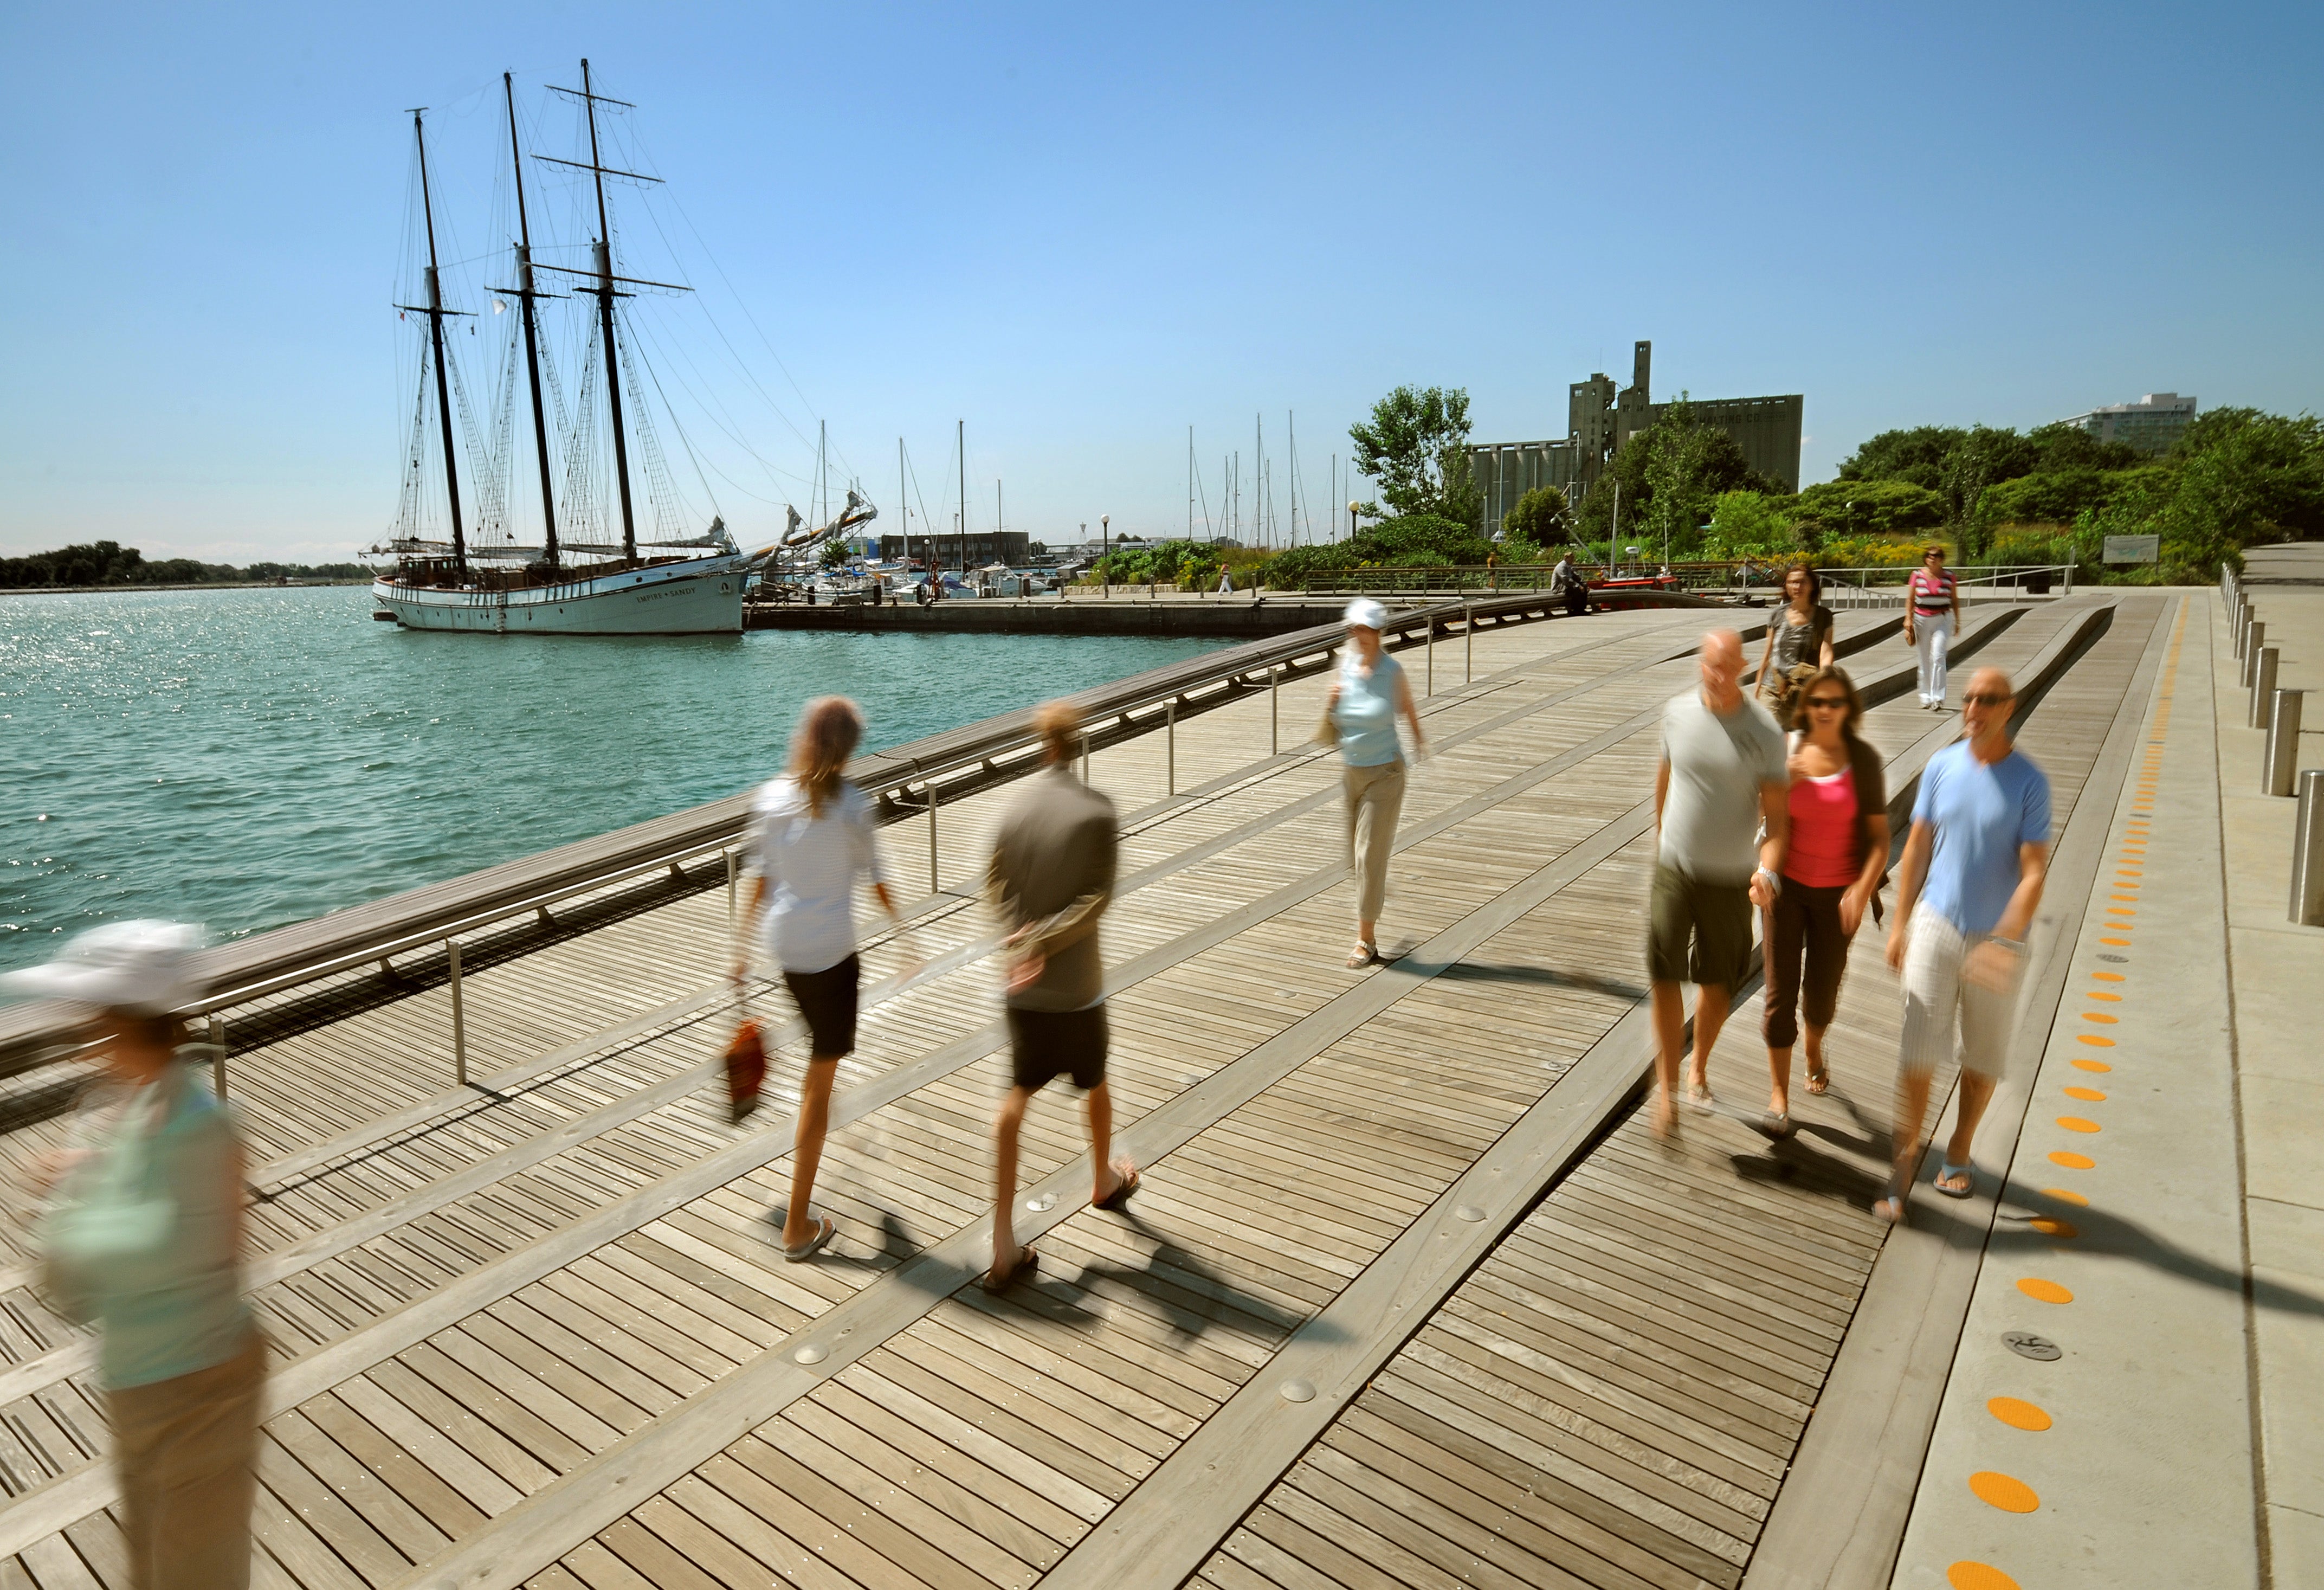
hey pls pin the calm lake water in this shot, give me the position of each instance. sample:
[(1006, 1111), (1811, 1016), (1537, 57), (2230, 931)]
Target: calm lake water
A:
[(245, 759)]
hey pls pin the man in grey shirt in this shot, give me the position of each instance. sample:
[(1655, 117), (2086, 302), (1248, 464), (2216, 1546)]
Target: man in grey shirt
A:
[(1050, 879), (1722, 773)]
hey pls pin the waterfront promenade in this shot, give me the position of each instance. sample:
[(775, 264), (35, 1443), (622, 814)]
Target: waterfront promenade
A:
[(1409, 1295)]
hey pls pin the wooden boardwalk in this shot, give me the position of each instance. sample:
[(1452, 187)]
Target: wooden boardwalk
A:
[(538, 1333)]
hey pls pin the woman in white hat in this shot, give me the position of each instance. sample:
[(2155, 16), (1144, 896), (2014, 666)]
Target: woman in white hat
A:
[(143, 1236), (1368, 693)]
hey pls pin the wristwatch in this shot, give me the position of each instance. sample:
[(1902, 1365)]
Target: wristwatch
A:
[(1774, 883)]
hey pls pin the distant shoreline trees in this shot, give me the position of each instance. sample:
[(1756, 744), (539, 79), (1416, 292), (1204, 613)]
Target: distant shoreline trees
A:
[(108, 563)]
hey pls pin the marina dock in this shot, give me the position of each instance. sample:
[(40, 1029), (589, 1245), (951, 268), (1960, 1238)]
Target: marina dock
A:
[(1408, 1297)]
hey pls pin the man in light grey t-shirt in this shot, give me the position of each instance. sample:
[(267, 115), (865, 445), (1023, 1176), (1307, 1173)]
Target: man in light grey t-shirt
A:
[(1722, 774)]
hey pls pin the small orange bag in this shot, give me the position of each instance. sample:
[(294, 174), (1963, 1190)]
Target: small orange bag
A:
[(746, 1069)]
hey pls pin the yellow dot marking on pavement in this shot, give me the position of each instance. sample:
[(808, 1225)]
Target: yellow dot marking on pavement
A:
[(2120, 911), (2109, 977), (2087, 1094), (2100, 994), (2127, 899), (2017, 1414), (1979, 1575), (2044, 1291), (2092, 1066), (2101, 1016), (2049, 1225), (2118, 943), (2072, 1160), (2077, 1124), (2005, 1492), (2061, 1193), (2094, 1040)]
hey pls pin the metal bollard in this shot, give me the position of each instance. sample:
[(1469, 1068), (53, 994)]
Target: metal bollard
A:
[(1274, 710), (2254, 637), (2243, 627), (1085, 756), (2263, 686), (2282, 744), (218, 1060), (732, 859), (2307, 852), (932, 836), (1170, 748), (459, 1019), (1432, 654), (1469, 642)]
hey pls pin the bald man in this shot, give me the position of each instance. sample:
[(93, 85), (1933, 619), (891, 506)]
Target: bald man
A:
[(1968, 887), (1722, 776)]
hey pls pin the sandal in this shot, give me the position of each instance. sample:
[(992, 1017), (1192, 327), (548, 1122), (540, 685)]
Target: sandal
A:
[(997, 1279), (1968, 1175), (1774, 1125), (824, 1230), (1819, 1079), (1663, 1122), (1125, 1182), (1364, 954), (1700, 1099), (1889, 1209)]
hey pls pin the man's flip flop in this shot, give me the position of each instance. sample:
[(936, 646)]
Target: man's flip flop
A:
[(1967, 1180), (996, 1280), (1125, 1182), (824, 1230)]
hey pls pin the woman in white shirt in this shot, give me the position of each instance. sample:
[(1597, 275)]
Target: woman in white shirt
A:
[(810, 837)]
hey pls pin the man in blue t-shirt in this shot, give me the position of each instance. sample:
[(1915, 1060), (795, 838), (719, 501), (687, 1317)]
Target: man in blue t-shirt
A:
[(1969, 883)]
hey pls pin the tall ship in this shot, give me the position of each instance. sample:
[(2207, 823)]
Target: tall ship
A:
[(475, 576)]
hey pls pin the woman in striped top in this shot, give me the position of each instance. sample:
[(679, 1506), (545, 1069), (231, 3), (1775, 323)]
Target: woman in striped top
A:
[(1931, 614)]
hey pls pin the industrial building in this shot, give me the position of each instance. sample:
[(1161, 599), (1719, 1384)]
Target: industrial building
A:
[(2153, 424), (1599, 420), (977, 548)]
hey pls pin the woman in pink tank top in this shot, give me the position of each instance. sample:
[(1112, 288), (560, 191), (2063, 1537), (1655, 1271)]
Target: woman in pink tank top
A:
[(1832, 867)]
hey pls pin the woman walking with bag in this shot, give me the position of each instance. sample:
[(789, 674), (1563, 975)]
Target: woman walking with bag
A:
[(810, 839), (1360, 716), (1931, 614), (1832, 873), (144, 1237), (1799, 641)]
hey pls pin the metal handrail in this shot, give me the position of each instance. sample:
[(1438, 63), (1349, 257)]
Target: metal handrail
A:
[(903, 782)]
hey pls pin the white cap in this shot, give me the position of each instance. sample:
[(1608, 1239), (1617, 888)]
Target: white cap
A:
[(1367, 612), (140, 966)]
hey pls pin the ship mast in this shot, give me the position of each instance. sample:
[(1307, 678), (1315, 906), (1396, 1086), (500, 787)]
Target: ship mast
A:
[(524, 292), (605, 320), (435, 311)]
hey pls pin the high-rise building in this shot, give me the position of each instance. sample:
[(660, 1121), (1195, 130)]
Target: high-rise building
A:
[(1598, 420), (2153, 424)]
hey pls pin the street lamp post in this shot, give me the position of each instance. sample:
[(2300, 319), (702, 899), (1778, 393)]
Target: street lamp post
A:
[(1352, 506), (1104, 524)]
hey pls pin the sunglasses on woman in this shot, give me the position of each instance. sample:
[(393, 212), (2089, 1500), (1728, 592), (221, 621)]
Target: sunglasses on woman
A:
[(1828, 703)]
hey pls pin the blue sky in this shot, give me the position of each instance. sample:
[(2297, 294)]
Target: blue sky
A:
[(1084, 229)]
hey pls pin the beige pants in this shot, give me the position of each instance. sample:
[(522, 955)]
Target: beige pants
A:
[(1375, 798), (184, 1448)]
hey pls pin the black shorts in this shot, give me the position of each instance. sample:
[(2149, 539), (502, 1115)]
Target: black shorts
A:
[(1698, 932), (1045, 1045), (827, 1002)]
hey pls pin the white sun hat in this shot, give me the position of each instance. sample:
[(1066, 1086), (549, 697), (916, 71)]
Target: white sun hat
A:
[(142, 966), (1368, 614)]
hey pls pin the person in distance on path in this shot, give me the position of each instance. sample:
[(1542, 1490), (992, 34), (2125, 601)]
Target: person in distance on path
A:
[(1931, 614), (1050, 880), (1799, 641), (810, 839), (1366, 697), (1566, 581), (1835, 849), (142, 1235), (1968, 887), (1721, 775)]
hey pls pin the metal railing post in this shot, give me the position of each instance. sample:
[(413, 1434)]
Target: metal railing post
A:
[(1170, 747), (2254, 637), (2283, 744), (2263, 686), (733, 860), (2307, 852), (1431, 653), (1275, 709), (1468, 640), (932, 834), (1085, 756), (459, 1017), (218, 1060)]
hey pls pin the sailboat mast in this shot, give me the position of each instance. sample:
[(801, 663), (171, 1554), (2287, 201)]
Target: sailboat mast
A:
[(960, 445), (903, 500), (531, 337), (436, 336), (605, 320)]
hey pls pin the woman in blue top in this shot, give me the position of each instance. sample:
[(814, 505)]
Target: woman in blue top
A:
[(1368, 693), (144, 1238)]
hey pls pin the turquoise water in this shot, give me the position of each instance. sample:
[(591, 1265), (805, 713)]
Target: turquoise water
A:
[(245, 759)]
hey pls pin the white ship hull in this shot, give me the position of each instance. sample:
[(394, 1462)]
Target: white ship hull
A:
[(698, 596)]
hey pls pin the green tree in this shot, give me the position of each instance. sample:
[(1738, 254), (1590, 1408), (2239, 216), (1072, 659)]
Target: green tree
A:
[(1415, 446), (1670, 476), (1541, 517), (1854, 508), (2059, 446), (1749, 521), (1917, 455), (834, 555)]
